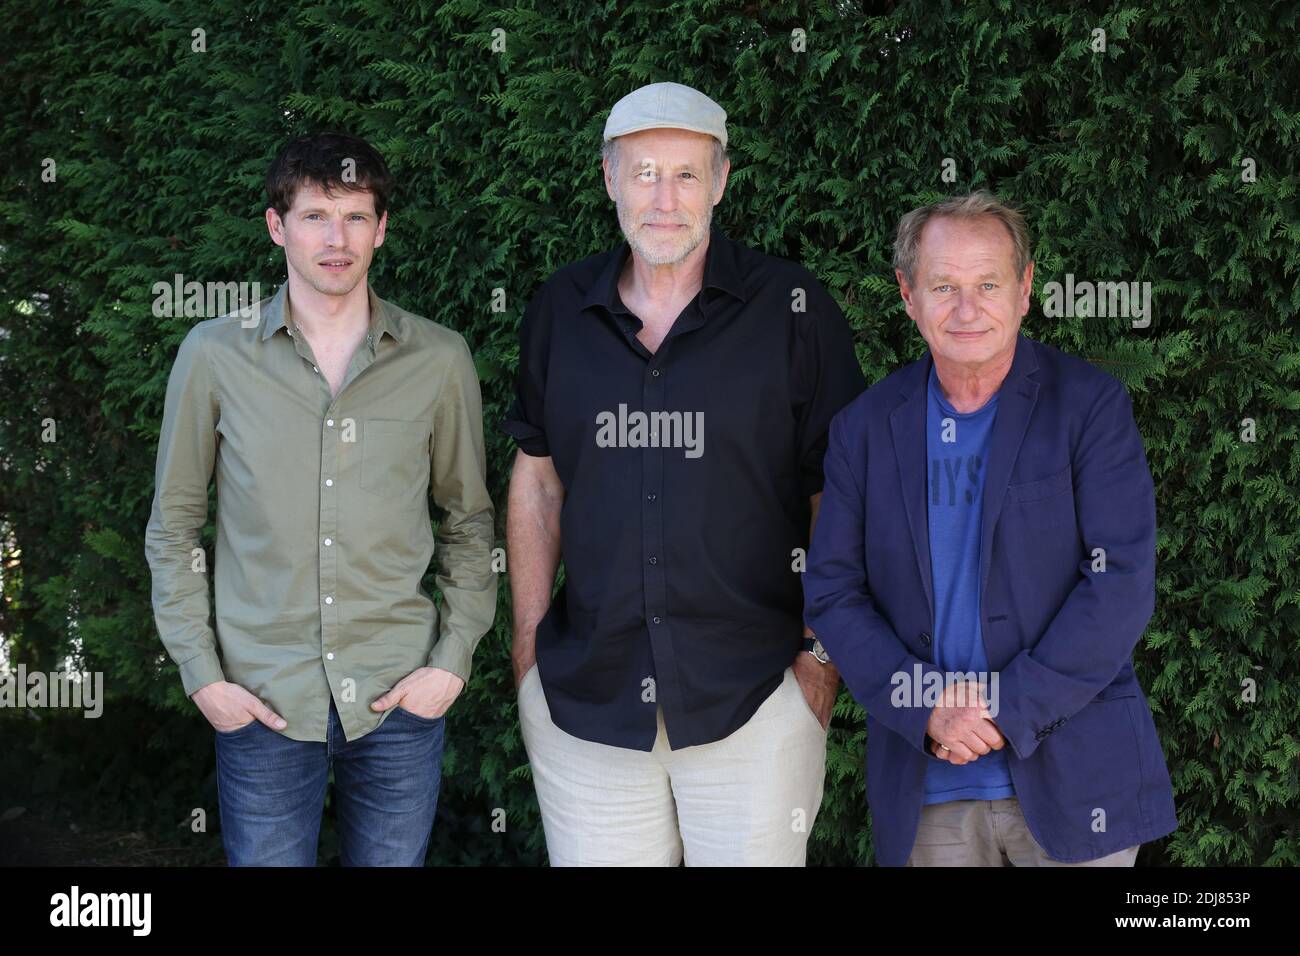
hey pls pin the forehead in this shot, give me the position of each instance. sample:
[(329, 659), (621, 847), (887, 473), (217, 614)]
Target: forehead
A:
[(311, 195), (954, 244), (666, 147)]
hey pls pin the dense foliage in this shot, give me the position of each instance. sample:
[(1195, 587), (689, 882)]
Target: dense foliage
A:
[(1169, 157)]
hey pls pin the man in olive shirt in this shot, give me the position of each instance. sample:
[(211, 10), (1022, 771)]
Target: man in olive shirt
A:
[(328, 422)]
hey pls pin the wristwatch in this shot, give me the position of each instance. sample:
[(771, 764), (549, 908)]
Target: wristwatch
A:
[(814, 647)]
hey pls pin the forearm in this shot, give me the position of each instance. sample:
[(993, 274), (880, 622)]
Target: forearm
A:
[(1096, 629), (532, 550), (815, 503), (840, 608), (1090, 639)]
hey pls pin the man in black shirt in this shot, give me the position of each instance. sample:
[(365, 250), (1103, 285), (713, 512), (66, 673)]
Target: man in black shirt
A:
[(672, 405)]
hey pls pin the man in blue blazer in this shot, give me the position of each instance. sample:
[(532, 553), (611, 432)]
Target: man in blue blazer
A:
[(982, 567)]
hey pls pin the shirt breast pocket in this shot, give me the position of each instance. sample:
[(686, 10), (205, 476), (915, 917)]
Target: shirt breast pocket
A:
[(394, 457)]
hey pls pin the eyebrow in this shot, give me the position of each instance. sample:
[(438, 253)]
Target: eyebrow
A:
[(944, 277), (641, 164), (322, 209)]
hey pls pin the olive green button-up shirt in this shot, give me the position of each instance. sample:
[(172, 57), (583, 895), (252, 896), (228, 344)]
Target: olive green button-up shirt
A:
[(323, 524)]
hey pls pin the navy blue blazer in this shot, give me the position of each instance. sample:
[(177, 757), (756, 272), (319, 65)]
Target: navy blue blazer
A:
[(1066, 474)]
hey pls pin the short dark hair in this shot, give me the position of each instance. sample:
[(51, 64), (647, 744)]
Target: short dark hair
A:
[(320, 158)]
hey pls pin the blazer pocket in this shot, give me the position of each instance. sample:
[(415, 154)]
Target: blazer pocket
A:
[(394, 457), (1048, 487)]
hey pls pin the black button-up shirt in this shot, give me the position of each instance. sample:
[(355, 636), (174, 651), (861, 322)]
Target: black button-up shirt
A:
[(680, 532)]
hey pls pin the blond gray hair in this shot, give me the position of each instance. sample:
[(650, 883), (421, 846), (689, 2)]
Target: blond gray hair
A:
[(907, 244)]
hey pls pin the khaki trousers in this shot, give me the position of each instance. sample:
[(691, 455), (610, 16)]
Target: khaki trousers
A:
[(749, 799), (987, 833)]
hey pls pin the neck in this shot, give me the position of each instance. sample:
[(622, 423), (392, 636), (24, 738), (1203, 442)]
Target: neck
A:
[(968, 387), (326, 316), (666, 283)]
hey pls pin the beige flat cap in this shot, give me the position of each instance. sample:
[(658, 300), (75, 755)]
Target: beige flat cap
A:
[(667, 106)]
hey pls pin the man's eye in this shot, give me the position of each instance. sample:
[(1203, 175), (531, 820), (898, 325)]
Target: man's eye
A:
[(690, 175), (942, 289), (990, 286)]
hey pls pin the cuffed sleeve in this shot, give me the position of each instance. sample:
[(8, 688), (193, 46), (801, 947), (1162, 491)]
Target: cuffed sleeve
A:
[(826, 377), (525, 421)]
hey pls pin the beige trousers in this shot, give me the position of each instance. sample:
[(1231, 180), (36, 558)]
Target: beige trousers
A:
[(749, 799), (987, 833)]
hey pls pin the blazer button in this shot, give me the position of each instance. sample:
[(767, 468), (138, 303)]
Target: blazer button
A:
[(925, 638)]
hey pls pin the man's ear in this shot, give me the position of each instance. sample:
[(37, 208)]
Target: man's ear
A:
[(275, 225), (382, 230), (722, 180), (1026, 286), (906, 291), (609, 181)]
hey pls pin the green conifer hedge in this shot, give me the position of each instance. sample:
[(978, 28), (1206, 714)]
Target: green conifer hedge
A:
[(136, 135)]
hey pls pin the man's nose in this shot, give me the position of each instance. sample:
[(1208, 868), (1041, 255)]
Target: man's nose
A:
[(334, 231), (666, 194), (967, 305)]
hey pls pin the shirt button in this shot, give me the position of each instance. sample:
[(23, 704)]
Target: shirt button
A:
[(329, 600), (328, 542), (655, 372), (329, 422), (650, 497), (329, 482), (315, 369), (653, 559), (655, 620), (329, 657)]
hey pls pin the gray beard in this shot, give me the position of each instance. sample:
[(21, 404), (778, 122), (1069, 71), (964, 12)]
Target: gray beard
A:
[(651, 258)]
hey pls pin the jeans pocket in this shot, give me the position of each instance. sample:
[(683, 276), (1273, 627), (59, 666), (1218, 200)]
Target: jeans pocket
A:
[(227, 734), (424, 720)]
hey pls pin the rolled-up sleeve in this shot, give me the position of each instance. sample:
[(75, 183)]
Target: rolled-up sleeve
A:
[(524, 422), (825, 377), (458, 482), (187, 447)]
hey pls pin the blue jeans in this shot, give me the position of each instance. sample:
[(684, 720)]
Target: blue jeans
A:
[(271, 791)]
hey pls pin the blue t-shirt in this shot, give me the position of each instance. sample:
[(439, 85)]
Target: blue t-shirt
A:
[(957, 446)]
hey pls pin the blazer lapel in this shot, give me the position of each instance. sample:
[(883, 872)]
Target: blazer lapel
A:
[(907, 425), (1015, 406)]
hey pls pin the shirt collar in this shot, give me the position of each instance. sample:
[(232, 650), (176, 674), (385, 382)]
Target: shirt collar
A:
[(384, 317), (721, 271)]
